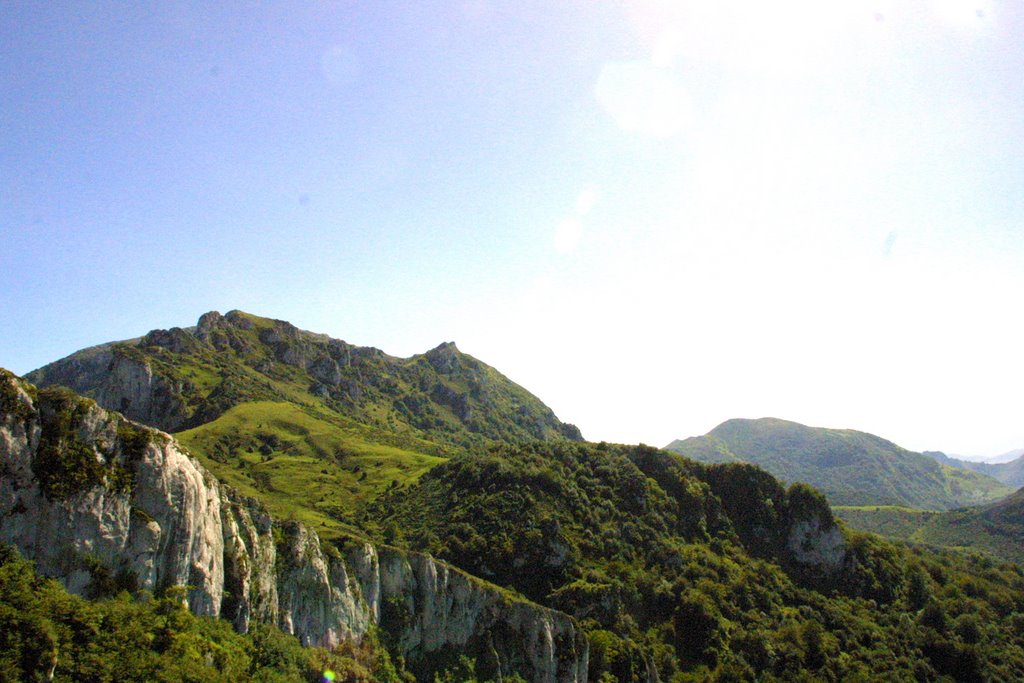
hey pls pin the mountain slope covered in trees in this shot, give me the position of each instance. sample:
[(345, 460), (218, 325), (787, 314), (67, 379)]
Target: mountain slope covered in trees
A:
[(707, 572), (849, 467)]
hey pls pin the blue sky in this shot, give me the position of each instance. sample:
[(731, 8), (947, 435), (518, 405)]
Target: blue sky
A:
[(654, 215)]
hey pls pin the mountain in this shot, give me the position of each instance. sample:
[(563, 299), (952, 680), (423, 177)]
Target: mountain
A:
[(429, 513), (311, 425), (107, 505), (668, 569), (178, 379), (849, 467), (996, 528), (1009, 472)]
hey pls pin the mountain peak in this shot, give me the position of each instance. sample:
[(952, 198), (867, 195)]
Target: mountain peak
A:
[(209, 320), (181, 378), (445, 357)]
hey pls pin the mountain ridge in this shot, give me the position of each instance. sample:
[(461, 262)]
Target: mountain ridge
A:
[(1009, 472), (179, 378)]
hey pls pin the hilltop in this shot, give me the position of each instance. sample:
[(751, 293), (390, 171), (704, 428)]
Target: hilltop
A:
[(849, 467), (182, 378)]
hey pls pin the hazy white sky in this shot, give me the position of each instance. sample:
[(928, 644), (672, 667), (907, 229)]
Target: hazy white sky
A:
[(654, 215)]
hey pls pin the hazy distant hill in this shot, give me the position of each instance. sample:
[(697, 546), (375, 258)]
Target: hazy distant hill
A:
[(1008, 456), (1009, 472), (996, 528), (850, 467)]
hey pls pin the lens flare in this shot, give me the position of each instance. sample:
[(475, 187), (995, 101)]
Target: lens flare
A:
[(328, 676)]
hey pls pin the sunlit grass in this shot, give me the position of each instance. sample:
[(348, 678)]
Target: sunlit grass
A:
[(304, 466)]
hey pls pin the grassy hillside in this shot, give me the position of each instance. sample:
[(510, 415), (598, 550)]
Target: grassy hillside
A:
[(850, 467), (996, 529), (892, 521), (303, 464)]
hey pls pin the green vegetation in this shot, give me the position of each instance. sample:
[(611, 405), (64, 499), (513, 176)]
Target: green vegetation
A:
[(695, 571), (303, 464), (443, 400), (849, 467), (996, 529), (688, 568), (47, 634), (64, 464), (888, 520), (10, 403), (1010, 473)]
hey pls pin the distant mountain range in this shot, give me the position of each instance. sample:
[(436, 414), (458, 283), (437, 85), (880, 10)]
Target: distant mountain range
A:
[(849, 467), (1010, 472)]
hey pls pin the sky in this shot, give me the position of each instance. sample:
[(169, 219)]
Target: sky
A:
[(655, 215)]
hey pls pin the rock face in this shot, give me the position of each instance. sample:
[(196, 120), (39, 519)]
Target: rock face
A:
[(93, 498), (814, 543)]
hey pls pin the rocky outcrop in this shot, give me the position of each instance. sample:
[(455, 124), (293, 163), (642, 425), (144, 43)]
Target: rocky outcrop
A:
[(814, 543), (97, 501), (122, 379)]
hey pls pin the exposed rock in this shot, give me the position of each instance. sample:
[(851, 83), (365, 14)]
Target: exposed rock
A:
[(208, 322), (326, 370), (174, 524), (133, 389), (240, 320), (445, 357), (175, 339), (812, 543)]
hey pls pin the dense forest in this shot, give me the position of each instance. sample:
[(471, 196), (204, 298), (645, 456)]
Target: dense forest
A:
[(686, 570)]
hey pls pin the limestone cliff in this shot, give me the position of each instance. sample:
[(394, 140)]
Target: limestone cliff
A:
[(91, 496)]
